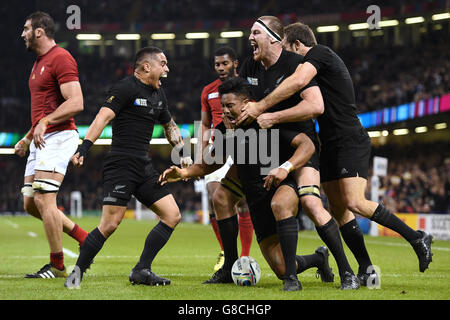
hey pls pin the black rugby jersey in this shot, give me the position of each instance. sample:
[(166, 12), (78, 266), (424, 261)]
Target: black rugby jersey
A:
[(253, 149), (263, 82), (340, 115), (137, 107)]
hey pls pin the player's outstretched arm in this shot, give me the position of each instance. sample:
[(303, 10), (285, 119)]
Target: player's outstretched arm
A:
[(298, 80), (304, 151), (104, 116), (174, 173), (310, 107)]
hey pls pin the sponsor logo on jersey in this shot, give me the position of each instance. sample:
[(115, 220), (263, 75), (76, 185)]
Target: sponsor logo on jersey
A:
[(140, 102), (213, 95), (252, 81)]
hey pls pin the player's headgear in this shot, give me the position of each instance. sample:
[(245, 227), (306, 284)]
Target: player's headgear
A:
[(276, 35)]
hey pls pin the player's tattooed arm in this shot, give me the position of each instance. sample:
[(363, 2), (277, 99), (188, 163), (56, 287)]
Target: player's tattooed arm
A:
[(173, 134)]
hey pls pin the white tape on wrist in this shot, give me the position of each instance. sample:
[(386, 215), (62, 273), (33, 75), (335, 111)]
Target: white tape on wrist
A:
[(287, 166)]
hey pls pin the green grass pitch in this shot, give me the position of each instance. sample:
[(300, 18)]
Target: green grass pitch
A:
[(188, 259)]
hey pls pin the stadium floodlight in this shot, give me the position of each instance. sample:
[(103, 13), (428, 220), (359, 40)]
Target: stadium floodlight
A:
[(358, 26), (400, 132), (332, 28), (197, 35), (384, 133), (128, 36), (440, 16), (232, 34), (89, 36), (103, 142), (413, 20), (163, 36), (439, 126), (374, 134), (6, 150), (388, 23), (422, 129)]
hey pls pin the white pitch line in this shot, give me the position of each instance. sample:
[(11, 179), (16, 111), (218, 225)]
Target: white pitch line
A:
[(377, 242), (34, 235), (70, 253)]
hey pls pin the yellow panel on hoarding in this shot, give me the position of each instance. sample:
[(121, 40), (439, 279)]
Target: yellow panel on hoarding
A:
[(411, 219)]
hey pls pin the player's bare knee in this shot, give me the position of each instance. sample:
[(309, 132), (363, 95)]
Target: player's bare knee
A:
[(355, 205), (173, 219), (281, 209)]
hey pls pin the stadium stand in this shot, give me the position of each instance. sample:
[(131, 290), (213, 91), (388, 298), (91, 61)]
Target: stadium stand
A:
[(384, 73)]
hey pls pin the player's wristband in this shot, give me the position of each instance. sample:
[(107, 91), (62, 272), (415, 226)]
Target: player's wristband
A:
[(26, 141), (45, 121), (83, 149), (287, 166)]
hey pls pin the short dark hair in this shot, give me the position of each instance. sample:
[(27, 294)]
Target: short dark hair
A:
[(301, 32), (236, 85), (43, 20), (142, 53), (226, 50)]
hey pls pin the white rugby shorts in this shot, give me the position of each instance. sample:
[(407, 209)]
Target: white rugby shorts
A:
[(59, 148)]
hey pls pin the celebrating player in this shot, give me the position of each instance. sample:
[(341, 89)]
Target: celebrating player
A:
[(275, 225), (345, 153), (268, 66), (135, 103), (225, 64), (56, 98)]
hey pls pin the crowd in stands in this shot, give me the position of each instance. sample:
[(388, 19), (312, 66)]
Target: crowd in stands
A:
[(141, 11), (383, 76)]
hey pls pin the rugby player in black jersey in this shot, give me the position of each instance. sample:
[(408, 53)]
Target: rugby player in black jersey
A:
[(135, 104), (264, 71), (274, 223), (345, 152)]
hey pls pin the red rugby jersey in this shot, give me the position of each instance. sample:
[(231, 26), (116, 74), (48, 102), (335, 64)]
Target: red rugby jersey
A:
[(210, 101), (49, 71)]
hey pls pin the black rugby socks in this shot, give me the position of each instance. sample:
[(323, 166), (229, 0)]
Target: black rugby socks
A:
[(386, 218), (329, 233), (91, 246), (354, 239), (287, 230), (155, 241), (229, 229)]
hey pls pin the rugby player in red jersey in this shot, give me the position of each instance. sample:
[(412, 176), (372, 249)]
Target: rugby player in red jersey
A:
[(56, 97), (225, 64)]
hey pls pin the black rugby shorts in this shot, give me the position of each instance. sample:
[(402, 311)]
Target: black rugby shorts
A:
[(345, 157), (124, 176), (259, 200)]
